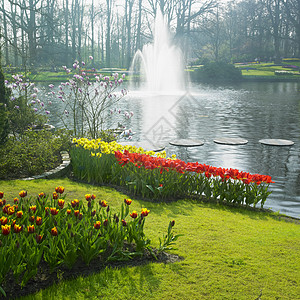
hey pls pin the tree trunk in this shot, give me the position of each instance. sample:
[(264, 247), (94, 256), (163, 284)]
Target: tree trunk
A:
[(108, 29)]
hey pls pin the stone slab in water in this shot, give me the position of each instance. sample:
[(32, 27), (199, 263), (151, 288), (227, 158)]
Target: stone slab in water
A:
[(145, 145), (187, 143), (276, 142), (231, 141)]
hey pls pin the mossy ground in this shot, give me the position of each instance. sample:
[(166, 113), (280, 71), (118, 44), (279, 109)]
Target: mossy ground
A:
[(229, 253)]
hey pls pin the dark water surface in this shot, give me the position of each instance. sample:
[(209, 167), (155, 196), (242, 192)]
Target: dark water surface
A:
[(251, 111)]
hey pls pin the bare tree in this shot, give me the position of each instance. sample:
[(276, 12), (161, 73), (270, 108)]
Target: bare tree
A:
[(292, 8)]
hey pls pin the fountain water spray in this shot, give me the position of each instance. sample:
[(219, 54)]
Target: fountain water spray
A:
[(159, 64)]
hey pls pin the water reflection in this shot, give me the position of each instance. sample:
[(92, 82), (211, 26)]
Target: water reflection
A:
[(252, 111)]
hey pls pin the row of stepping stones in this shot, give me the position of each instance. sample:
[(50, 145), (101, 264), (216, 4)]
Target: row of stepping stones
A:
[(195, 143)]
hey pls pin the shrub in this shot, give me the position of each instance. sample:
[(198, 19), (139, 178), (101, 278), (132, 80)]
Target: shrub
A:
[(217, 72), (32, 153), (22, 110)]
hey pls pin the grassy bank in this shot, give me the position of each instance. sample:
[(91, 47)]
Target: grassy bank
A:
[(266, 71), (228, 253), (250, 71)]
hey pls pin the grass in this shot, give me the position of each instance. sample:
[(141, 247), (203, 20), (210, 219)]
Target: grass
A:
[(229, 253), (267, 70)]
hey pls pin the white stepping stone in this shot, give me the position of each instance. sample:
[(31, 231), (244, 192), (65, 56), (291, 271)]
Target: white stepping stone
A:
[(276, 142), (187, 143), (145, 145), (230, 141)]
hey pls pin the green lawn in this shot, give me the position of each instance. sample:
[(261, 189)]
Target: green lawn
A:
[(229, 253), (267, 70)]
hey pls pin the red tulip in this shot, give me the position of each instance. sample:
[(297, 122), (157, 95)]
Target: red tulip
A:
[(61, 203), (38, 238), (19, 214), (103, 203), (54, 211), (33, 208), (38, 221), (17, 228), (128, 201), (134, 214), (54, 231), (23, 194), (74, 203), (42, 195), (88, 197), (11, 210), (145, 212), (59, 189), (5, 229), (3, 220), (30, 228), (97, 225)]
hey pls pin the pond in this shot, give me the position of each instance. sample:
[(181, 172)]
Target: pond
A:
[(247, 110)]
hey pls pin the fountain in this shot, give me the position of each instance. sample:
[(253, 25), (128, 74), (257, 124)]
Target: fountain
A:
[(159, 64)]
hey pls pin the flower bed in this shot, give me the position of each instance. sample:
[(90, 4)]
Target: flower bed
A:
[(153, 175), (50, 230)]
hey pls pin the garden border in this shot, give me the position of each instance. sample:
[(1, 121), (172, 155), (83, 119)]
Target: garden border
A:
[(59, 171)]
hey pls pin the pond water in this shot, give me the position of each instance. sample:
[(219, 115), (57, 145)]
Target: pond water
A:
[(251, 111)]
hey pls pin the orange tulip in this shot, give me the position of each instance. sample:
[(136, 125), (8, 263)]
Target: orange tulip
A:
[(1, 195)]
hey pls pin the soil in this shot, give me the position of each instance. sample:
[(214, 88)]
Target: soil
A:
[(45, 278)]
